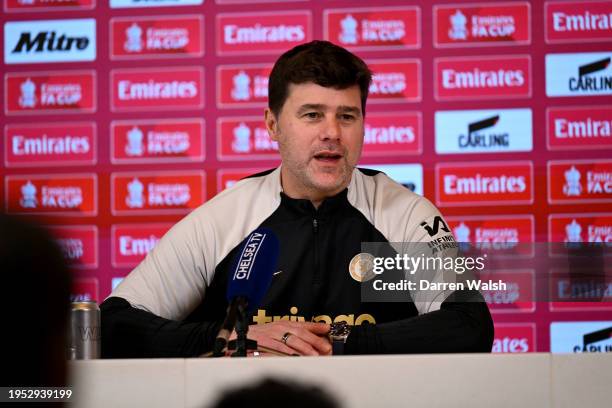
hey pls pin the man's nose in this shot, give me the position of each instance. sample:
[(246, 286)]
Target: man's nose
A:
[(331, 129)]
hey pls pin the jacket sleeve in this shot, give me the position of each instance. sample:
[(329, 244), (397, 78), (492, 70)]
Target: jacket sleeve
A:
[(128, 332), (462, 324)]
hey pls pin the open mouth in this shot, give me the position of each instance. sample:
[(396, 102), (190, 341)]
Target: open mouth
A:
[(328, 157)]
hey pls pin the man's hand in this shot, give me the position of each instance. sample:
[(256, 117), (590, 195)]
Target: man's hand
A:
[(305, 338)]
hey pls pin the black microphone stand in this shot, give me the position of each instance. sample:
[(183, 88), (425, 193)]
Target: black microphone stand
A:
[(242, 344)]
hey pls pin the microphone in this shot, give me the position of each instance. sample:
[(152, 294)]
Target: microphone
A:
[(250, 278)]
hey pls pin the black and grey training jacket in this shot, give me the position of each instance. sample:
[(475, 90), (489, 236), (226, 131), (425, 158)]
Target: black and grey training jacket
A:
[(173, 303)]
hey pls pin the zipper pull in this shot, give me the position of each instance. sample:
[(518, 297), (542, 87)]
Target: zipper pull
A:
[(315, 224)]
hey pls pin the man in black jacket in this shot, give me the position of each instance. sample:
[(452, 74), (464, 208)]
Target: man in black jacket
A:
[(322, 208)]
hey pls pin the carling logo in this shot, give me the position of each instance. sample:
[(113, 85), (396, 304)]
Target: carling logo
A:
[(157, 141), (408, 175), (226, 178), (579, 127), (490, 77), (262, 33), (152, 37), (47, 5), (579, 181), (79, 244), (130, 243), (482, 24), (49, 41), (514, 338), (519, 295), (374, 28), (153, 3), (397, 133), (175, 88), (84, 289), (50, 144), (580, 228), (484, 183), (244, 138), (167, 192), (57, 194), (50, 92), (581, 337), (578, 21), (499, 232), (243, 85), (483, 131), (579, 74), (395, 80)]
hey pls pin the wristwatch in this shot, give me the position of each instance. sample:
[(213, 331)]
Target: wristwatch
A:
[(338, 333)]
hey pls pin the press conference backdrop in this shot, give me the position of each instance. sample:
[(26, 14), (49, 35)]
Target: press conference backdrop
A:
[(120, 117)]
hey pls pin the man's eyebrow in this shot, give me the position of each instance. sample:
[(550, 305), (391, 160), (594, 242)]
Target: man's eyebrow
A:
[(311, 106), (323, 107)]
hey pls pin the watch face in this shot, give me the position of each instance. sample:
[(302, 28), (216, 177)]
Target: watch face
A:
[(340, 329)]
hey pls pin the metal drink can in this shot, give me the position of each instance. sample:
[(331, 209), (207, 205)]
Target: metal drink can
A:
[(84, 331)]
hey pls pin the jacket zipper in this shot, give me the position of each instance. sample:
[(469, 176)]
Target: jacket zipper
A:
[(317, 271)]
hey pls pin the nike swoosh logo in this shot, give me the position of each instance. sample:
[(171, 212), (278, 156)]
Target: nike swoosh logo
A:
[(276, 273)]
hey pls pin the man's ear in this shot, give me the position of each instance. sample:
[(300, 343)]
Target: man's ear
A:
[(271, 124)]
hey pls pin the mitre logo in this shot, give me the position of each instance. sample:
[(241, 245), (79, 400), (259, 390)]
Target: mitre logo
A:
[(503, 130), (580, 181), (578, 74), (483, 77), (579, 127), (482, 24), (485, 183), (373, 28), (262, 33), (49, 41), (578, 21)]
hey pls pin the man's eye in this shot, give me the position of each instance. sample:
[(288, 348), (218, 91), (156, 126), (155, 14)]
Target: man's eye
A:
[(347, 117), (312, 115)]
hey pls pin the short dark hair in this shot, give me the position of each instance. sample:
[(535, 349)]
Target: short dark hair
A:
[(322, 63)]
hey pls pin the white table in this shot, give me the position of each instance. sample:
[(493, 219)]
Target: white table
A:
[(453, 380)]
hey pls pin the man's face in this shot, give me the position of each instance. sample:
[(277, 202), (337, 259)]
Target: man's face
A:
[(320, 134)]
